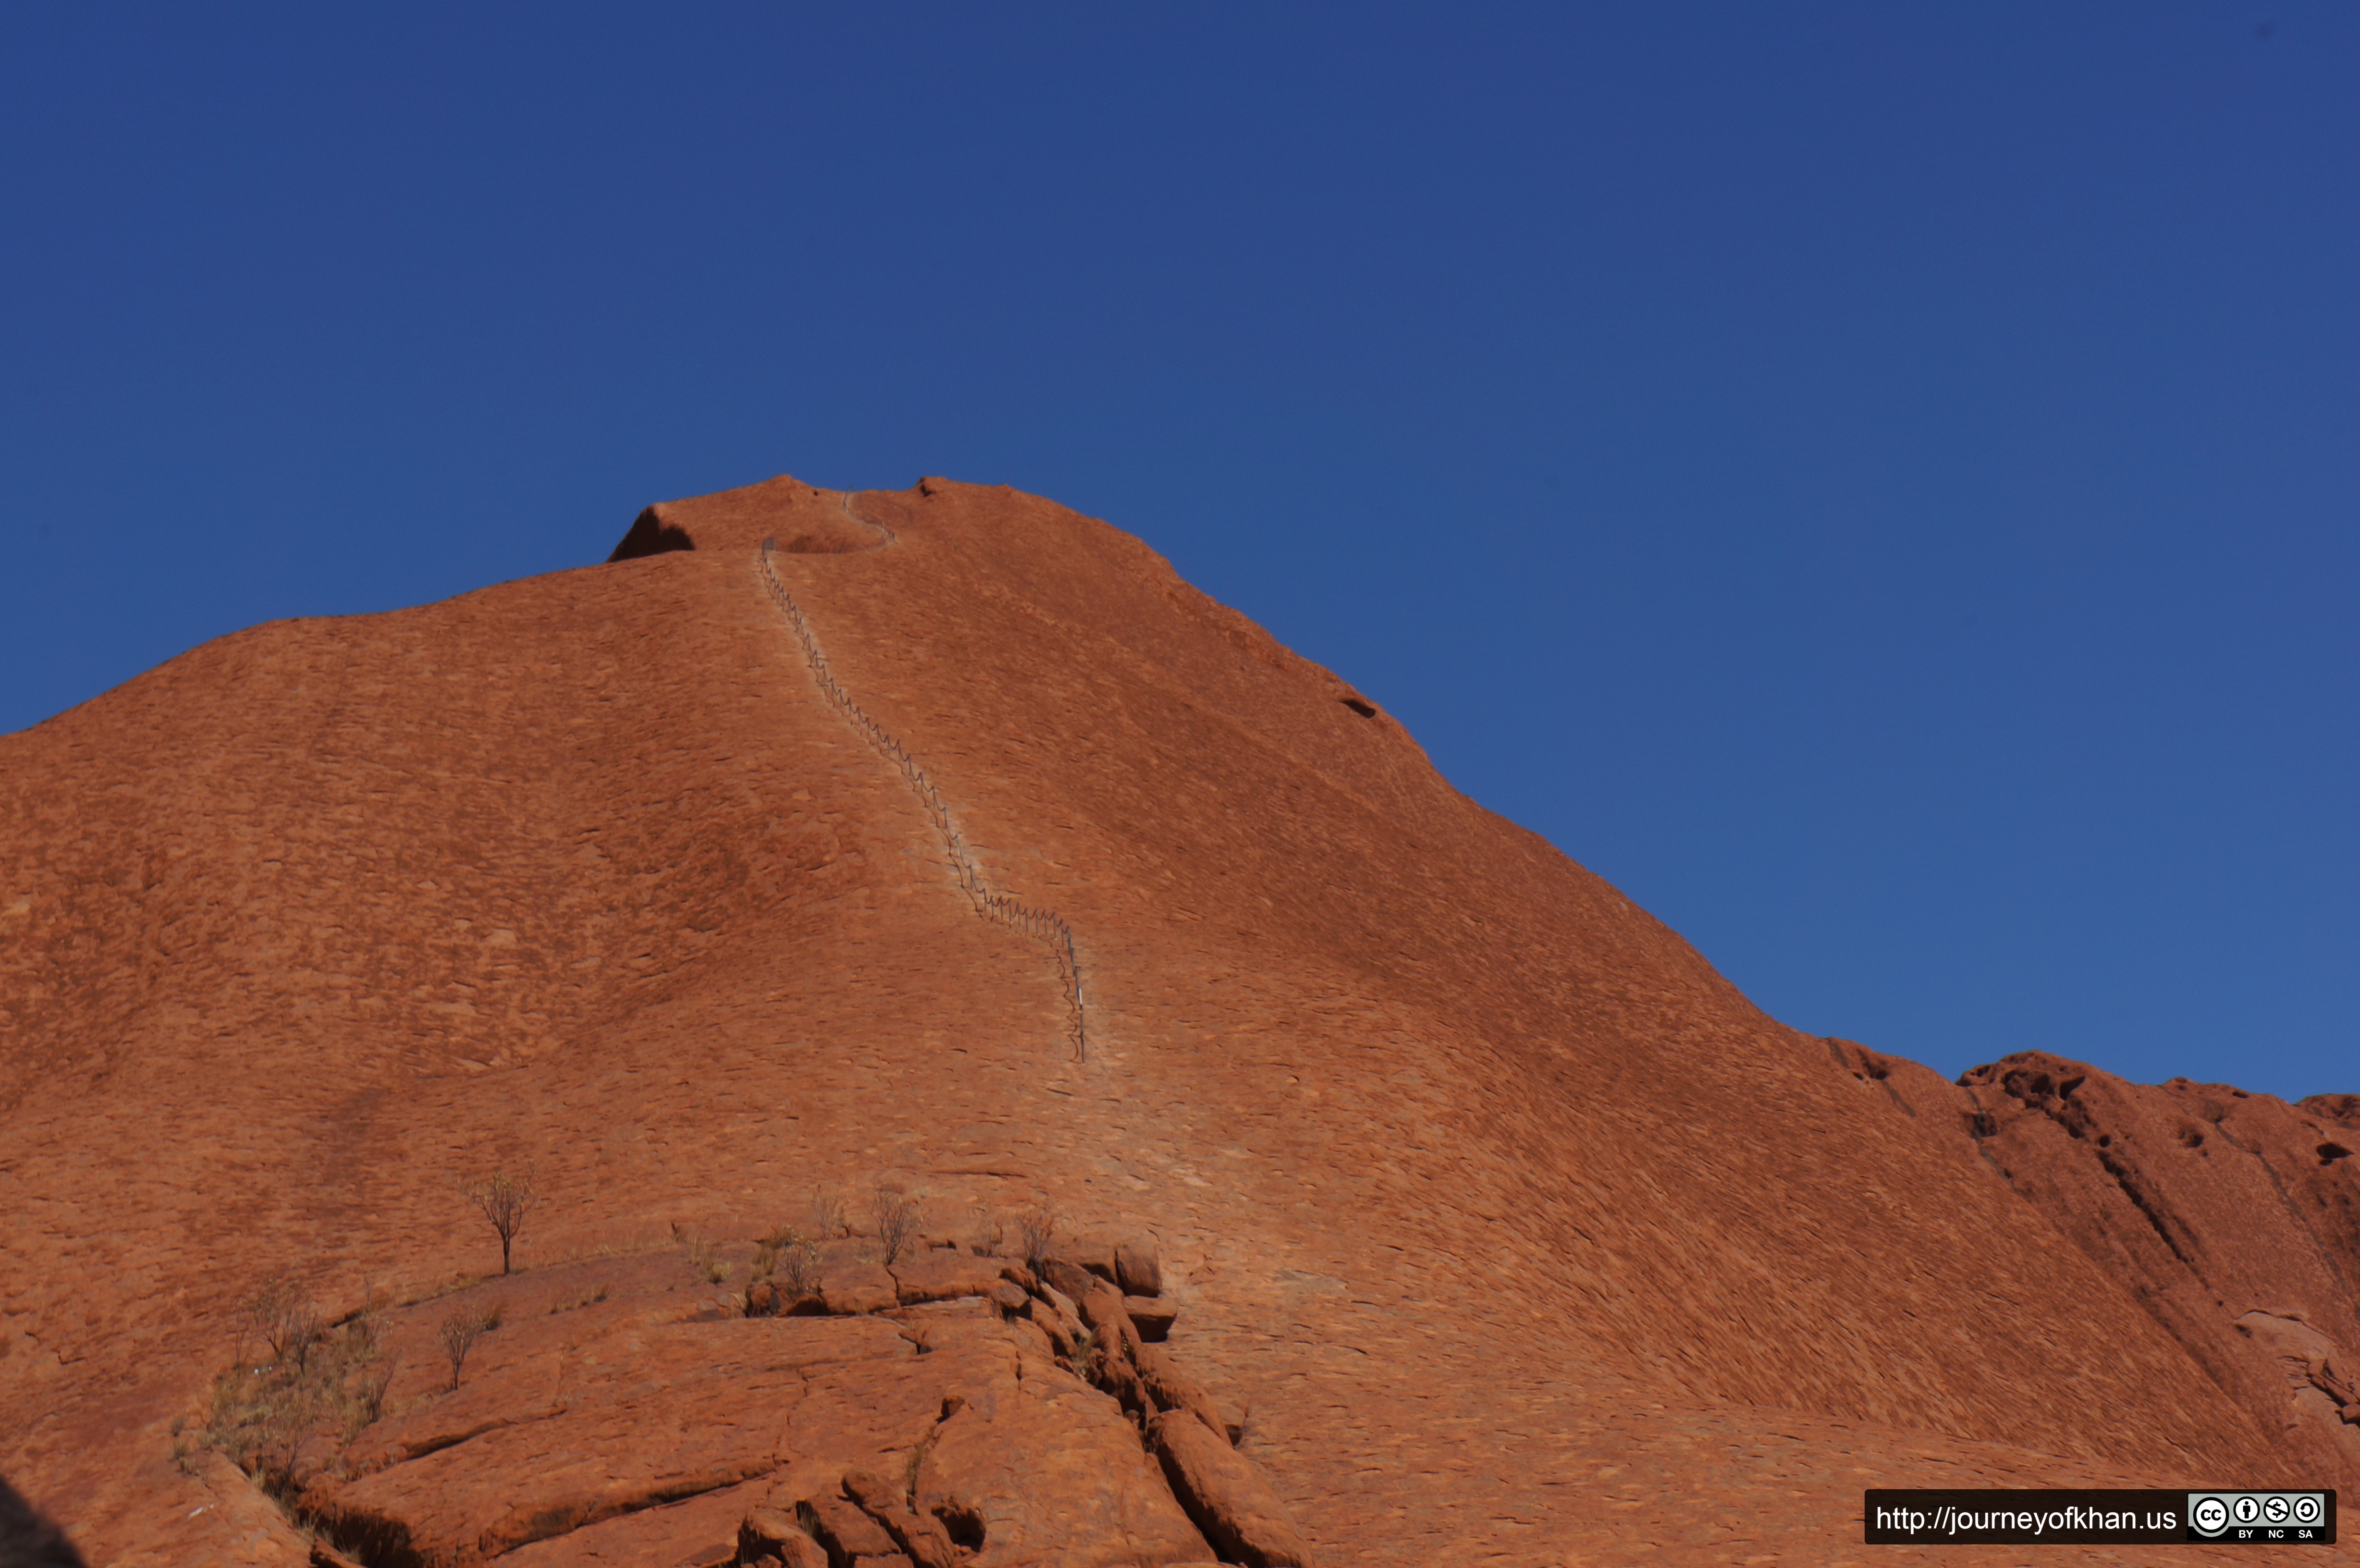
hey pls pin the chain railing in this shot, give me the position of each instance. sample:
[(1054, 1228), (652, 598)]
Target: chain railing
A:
[(1044, 925)]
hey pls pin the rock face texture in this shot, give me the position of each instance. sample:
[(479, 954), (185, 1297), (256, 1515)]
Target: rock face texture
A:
[(1492, 1224), (628, 1408)]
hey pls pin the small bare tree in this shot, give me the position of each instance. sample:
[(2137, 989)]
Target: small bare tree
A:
[(458, 1334), (1036, 1227), (896, 1214), (505, 1198)]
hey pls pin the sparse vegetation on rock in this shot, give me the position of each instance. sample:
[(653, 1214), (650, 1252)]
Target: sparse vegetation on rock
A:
[(306, 1384), (786, 1273), (829, 1218), (704, 1255)]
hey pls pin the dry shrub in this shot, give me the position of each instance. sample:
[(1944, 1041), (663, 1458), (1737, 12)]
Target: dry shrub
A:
[(985, 1233), (788, 1264), (280, 1314), (587, 1299), (704, 1256), (459, 1333), (829, 1219), (913, 1463), (1036, 1227), (897, 1212), (1087, 1355)]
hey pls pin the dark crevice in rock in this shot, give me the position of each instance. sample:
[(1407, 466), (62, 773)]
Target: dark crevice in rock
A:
[(2135, 1189)]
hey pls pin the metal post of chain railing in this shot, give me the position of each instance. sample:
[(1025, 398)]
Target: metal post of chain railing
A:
[(1040, 925)]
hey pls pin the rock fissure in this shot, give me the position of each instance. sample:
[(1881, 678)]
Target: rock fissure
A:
[(2327, 1253), (1045, 926), (2148, 1207)]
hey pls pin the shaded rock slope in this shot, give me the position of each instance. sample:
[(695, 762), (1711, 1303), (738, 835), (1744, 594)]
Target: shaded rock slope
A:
[(1518, 1235)]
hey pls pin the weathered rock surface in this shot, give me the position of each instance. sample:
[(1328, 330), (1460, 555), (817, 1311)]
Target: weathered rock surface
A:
[(1070, 1278), (1230, 1502), (1171, 1388), (767, 1532), (1054, 1484), (1150, 1319), (700, 1533), (1521, 1232), (642, 1426), (857, 1288), (940, 1275), (845, 1529), (2232, 1218), (920, 1537), (2342, 1109)]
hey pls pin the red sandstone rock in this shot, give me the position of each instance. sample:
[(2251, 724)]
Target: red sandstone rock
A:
[(768, 1531), (922, 1538), (1091, 1254), (1055, 1476), (1069, 1278), (1173, 1389), (1102, 1309), (1228, 1500), (1035, 1339), (845, 1529), (1151, 1317), (861, 1287), (939, 1276), (1478, 1178), (1137, 1270), (696, 1533), (2218, 1207), (1063, 1328), (2342, 1109)]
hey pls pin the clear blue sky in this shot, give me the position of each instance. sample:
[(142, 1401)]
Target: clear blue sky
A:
[(1878, 483)]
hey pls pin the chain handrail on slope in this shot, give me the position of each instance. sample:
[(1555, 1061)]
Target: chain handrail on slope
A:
[(1045, 925)]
